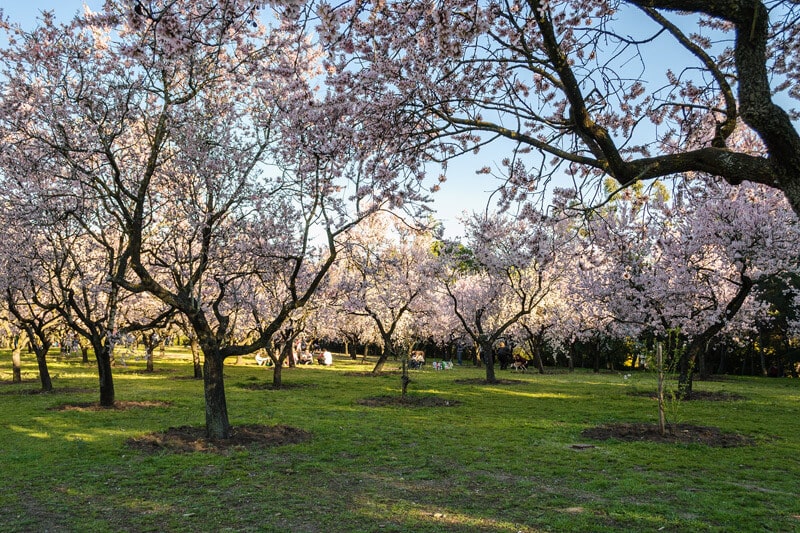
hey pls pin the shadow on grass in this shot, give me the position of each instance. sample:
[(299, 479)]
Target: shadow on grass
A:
[(55, 390)]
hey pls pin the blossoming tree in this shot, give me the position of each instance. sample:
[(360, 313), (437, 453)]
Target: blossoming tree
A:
[(689, 264), (635, 90), (500, 275), (388, 270), (198, 136)]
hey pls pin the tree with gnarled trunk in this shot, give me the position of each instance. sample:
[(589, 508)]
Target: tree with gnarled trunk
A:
[(634, 89)]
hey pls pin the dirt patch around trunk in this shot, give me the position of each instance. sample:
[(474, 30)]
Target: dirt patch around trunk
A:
[(187, 439), (118, 406), (675, 434), (407, 401)]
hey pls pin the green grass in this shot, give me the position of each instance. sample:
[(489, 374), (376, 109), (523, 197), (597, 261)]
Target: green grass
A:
[(500, 461)]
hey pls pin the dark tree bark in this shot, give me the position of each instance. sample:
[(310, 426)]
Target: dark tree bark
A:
[(487, 356), (194, 345), (40, 344), (378, 368), (217, 423), (540, 43), (16, 360), (150, 340)]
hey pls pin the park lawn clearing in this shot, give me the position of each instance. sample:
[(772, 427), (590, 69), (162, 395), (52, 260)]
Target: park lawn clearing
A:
[(459, 455)]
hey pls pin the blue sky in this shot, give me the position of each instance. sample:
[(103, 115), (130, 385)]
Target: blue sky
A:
[(26, 11)]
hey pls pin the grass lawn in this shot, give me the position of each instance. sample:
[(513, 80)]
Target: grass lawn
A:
[(499, 458)]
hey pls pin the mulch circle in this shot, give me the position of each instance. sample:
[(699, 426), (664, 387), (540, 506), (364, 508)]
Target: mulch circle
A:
[(118, 406), (186, 439), (675, 434), (407, 401)]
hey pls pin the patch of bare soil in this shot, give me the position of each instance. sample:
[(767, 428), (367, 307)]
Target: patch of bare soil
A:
[(407, 401), (675, 434), (480, 381), (186, 439), (118, 406), (709, 396)]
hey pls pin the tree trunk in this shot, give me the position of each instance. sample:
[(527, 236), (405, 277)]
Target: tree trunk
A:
[(381, 360), (703, 367), (277, 375), (378, 368), (537, 357), (487, 357), (723, 363), (535, 344), (217, 424), (44, 372), (16, 362), (198, 367), (686, 369), (103, 357), (698, 344), (277, 371), (287, 352), (148, 356), (85, 354)]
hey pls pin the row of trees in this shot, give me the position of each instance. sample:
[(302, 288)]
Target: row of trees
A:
[(180, 161), (687, 271), (209, 162)]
